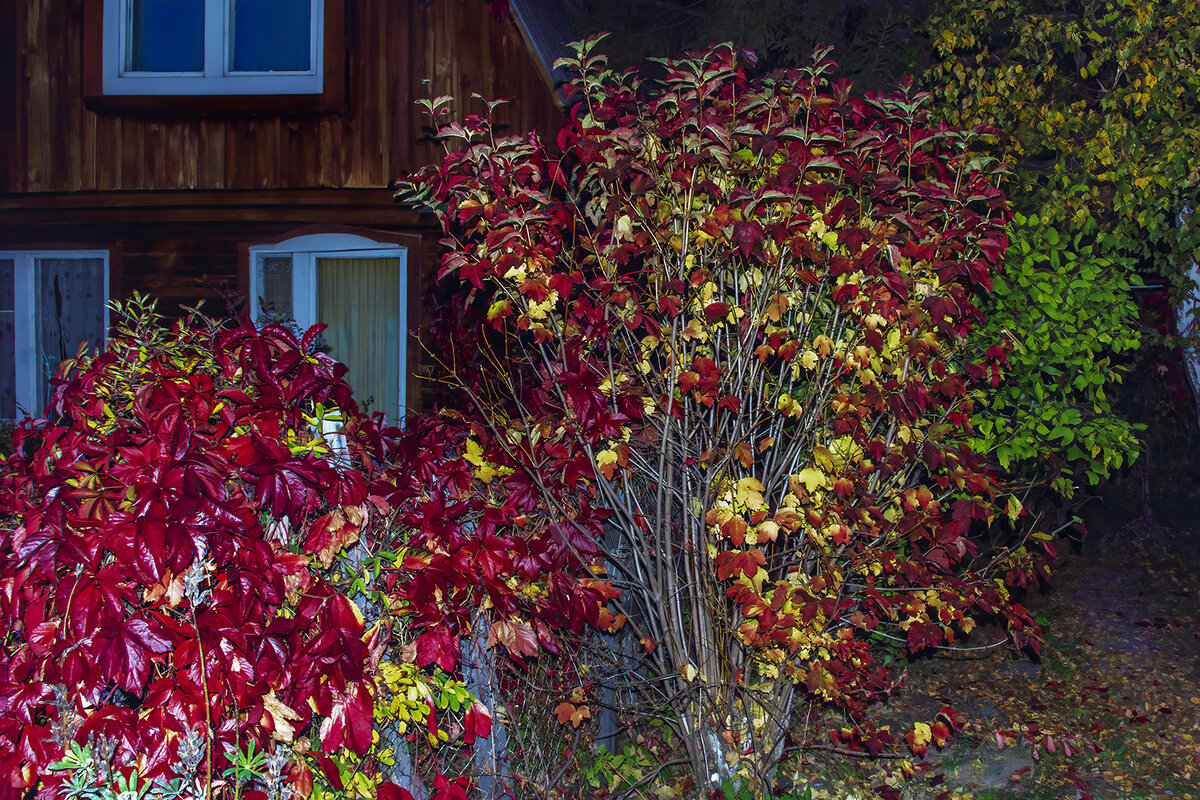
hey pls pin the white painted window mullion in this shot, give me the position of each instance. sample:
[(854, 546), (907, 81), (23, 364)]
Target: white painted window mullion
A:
[(215, 32), (304, 292)]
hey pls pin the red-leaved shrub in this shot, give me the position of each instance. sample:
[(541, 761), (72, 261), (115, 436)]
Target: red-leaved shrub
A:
[(160, 567)]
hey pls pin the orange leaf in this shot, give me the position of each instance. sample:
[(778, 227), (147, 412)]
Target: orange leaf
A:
[(569, 712), (564, 711), (744, 454), (735, 529)]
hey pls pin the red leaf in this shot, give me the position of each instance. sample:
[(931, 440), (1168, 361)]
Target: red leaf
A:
[(477, 722), (329, 769), (390, 791), (732, 563), (922, 635), (438, 646), (746, 235), (350, 721), (714, 311)]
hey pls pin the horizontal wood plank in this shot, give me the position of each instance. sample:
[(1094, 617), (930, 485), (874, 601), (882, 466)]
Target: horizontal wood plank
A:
[(389, 53)]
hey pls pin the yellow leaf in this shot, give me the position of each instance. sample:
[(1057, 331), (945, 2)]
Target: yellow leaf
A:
[(474, 454), (281, 717), (921, 736), (606, 461), (689, 673), (813, 479), (750, 493), (499, 308), (623, 229)]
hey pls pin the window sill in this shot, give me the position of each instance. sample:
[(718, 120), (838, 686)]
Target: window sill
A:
[(208, 105)]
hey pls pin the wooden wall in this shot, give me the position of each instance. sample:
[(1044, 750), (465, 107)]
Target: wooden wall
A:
[(177, 191), (52, 141)]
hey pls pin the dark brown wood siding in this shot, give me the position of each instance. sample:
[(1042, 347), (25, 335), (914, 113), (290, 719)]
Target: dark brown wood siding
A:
[(395, 52), (177, 190)]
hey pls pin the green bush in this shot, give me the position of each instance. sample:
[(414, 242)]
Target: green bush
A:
[(1062, 312)]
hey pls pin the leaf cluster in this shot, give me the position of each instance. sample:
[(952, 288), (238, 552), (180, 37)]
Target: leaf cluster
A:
[(1098, 101), (732, 372), (210, 558), (166, 520), (1061, 314)]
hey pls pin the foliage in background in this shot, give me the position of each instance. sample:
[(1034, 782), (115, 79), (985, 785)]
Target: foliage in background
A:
[(1099, 104), (870, 39), (732, 373), (1062, 313)]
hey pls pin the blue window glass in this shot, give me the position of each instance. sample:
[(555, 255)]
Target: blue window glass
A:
[(8, 342), (271, 36), (166, 36)]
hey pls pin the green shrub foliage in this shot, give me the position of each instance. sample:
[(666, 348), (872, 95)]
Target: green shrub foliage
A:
[(1061, 314), (1097, 104), (730, 366)]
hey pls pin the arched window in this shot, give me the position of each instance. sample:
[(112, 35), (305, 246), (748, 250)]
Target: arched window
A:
[(358, 288)]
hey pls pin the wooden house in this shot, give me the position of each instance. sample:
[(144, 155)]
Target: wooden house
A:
[(227, 150)]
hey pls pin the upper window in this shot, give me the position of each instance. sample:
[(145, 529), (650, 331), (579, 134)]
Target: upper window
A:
[(50, 303), (213, 47), (358, 288)]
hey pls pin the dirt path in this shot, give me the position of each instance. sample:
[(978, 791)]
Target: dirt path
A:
[(1112, 711)]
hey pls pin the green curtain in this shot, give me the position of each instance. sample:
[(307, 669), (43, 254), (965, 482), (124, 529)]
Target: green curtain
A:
[(359, 299)]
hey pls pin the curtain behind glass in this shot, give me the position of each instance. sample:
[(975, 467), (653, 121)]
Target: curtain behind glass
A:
[(70, 310), (8, 341), (359, 299)]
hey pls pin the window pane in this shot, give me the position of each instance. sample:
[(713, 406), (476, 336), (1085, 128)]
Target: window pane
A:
[(8, 343), (275, 289), (70, 310), (166, 36), (271, 36), (359, 298)]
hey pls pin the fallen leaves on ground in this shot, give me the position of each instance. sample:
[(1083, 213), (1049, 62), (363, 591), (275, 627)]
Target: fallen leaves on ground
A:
[(1112, 711)]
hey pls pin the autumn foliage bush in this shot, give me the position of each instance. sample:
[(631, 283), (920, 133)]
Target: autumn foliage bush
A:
[(728, 365), (160, 569), (176, 586)]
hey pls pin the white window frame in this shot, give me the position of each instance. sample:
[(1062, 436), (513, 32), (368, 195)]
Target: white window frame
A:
[(304, 251), (217, 78), (27, 376)]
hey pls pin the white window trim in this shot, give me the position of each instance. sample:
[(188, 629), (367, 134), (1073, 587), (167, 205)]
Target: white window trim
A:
[(305, 250), (27, 376), (216, 78)]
